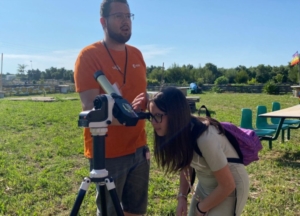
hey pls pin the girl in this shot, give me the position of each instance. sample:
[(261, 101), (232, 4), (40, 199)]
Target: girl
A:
[(222, 187)]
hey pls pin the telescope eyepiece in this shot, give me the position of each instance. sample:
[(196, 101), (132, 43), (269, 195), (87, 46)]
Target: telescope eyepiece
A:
[(98, 102)]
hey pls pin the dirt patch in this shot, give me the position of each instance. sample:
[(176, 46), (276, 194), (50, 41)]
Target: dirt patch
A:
[(41, 99)]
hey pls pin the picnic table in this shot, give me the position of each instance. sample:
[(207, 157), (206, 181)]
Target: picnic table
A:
[(296, 90), (290, 112), (192, 100)]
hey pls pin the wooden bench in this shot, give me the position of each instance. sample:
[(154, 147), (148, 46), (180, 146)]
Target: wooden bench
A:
[(192, 100)]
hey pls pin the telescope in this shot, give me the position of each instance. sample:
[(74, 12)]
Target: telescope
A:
[(106, 107)]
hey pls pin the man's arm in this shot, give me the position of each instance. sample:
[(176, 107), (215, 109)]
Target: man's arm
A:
[(87, 98), (140, 102)]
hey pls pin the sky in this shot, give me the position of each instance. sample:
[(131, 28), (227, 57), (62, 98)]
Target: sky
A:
[(227, 33)]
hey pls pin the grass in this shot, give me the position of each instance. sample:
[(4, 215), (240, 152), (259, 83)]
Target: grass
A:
[(42, 163)]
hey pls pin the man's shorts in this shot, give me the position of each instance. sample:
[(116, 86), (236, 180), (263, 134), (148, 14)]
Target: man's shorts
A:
[(131, 176)]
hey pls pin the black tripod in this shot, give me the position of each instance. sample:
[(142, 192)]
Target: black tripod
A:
[(99, 175)]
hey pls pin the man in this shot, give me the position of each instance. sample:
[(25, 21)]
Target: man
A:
[(123, 65)]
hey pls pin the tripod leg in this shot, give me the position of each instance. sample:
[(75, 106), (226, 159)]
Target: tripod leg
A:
[(81, 193), (114, 196), (103, 199)]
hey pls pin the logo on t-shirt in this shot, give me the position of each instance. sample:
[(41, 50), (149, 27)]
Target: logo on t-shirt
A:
[(136, 65), (116, 67)]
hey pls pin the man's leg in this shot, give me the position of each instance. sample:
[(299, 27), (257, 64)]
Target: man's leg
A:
[(135, 192), (118, 169)]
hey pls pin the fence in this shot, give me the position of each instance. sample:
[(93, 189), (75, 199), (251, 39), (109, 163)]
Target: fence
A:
[(11, 90), (19, 90), (158, 88), (283, 89)]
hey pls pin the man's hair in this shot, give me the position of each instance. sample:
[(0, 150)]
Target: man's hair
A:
[(105, 6)]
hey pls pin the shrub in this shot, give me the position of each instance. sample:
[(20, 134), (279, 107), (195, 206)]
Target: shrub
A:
[(184, 83), (200, 81), (252, 81), (153, 82), (216, 89), (222, 80), (271, 88)]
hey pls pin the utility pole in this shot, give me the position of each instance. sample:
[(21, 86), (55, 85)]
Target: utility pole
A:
[(1, 72), (299, 70), (162, 81), (28, 77), (1, 93)]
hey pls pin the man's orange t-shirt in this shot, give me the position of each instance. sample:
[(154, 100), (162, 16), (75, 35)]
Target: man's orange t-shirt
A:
[(120, 140)]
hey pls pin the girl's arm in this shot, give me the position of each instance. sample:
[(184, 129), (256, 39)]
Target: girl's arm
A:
[(183, 191), (184, 186), (226, 186)]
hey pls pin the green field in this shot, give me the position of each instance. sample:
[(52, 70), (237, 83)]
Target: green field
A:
[(42, 163)]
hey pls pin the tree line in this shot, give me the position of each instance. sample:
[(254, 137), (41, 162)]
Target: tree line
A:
[(50, 73), (183, 75), (211, 74)]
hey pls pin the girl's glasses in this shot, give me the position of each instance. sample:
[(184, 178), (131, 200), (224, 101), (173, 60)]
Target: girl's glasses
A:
[(157, 117)]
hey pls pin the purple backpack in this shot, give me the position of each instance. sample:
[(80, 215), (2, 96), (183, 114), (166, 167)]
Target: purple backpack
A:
[(246, 143)]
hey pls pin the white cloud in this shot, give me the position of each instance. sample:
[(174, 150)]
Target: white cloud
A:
[(67, 58), (152, 51), (58, 58)]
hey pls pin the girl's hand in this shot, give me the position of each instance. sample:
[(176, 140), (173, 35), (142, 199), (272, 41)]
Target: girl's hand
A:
[(181, 207), (198, 213)]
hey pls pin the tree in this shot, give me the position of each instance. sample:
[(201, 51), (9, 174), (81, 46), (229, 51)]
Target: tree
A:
[(262, 73), (156, 74), (211, 67), (22, 68), (293, 74), (281, 73), (244, 68), (241, 77), (174, 74), (230, 74), (279, 78), (151, 68), (209, 77)]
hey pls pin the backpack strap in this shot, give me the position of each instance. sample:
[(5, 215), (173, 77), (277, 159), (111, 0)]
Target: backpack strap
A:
[(235, 145), (207, 113), (235, 202), (197, 129), (193, 177)]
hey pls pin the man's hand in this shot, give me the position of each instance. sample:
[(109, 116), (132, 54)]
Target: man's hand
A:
[(140, 102)]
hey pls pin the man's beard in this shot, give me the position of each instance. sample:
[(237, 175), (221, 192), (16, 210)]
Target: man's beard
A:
[(118, 37)]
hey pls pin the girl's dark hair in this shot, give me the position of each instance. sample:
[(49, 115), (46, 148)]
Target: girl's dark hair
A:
[(174, 151), (105, 6)]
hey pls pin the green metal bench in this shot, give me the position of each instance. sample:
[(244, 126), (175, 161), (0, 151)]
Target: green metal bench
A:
[(246, 122), (261, 122)]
